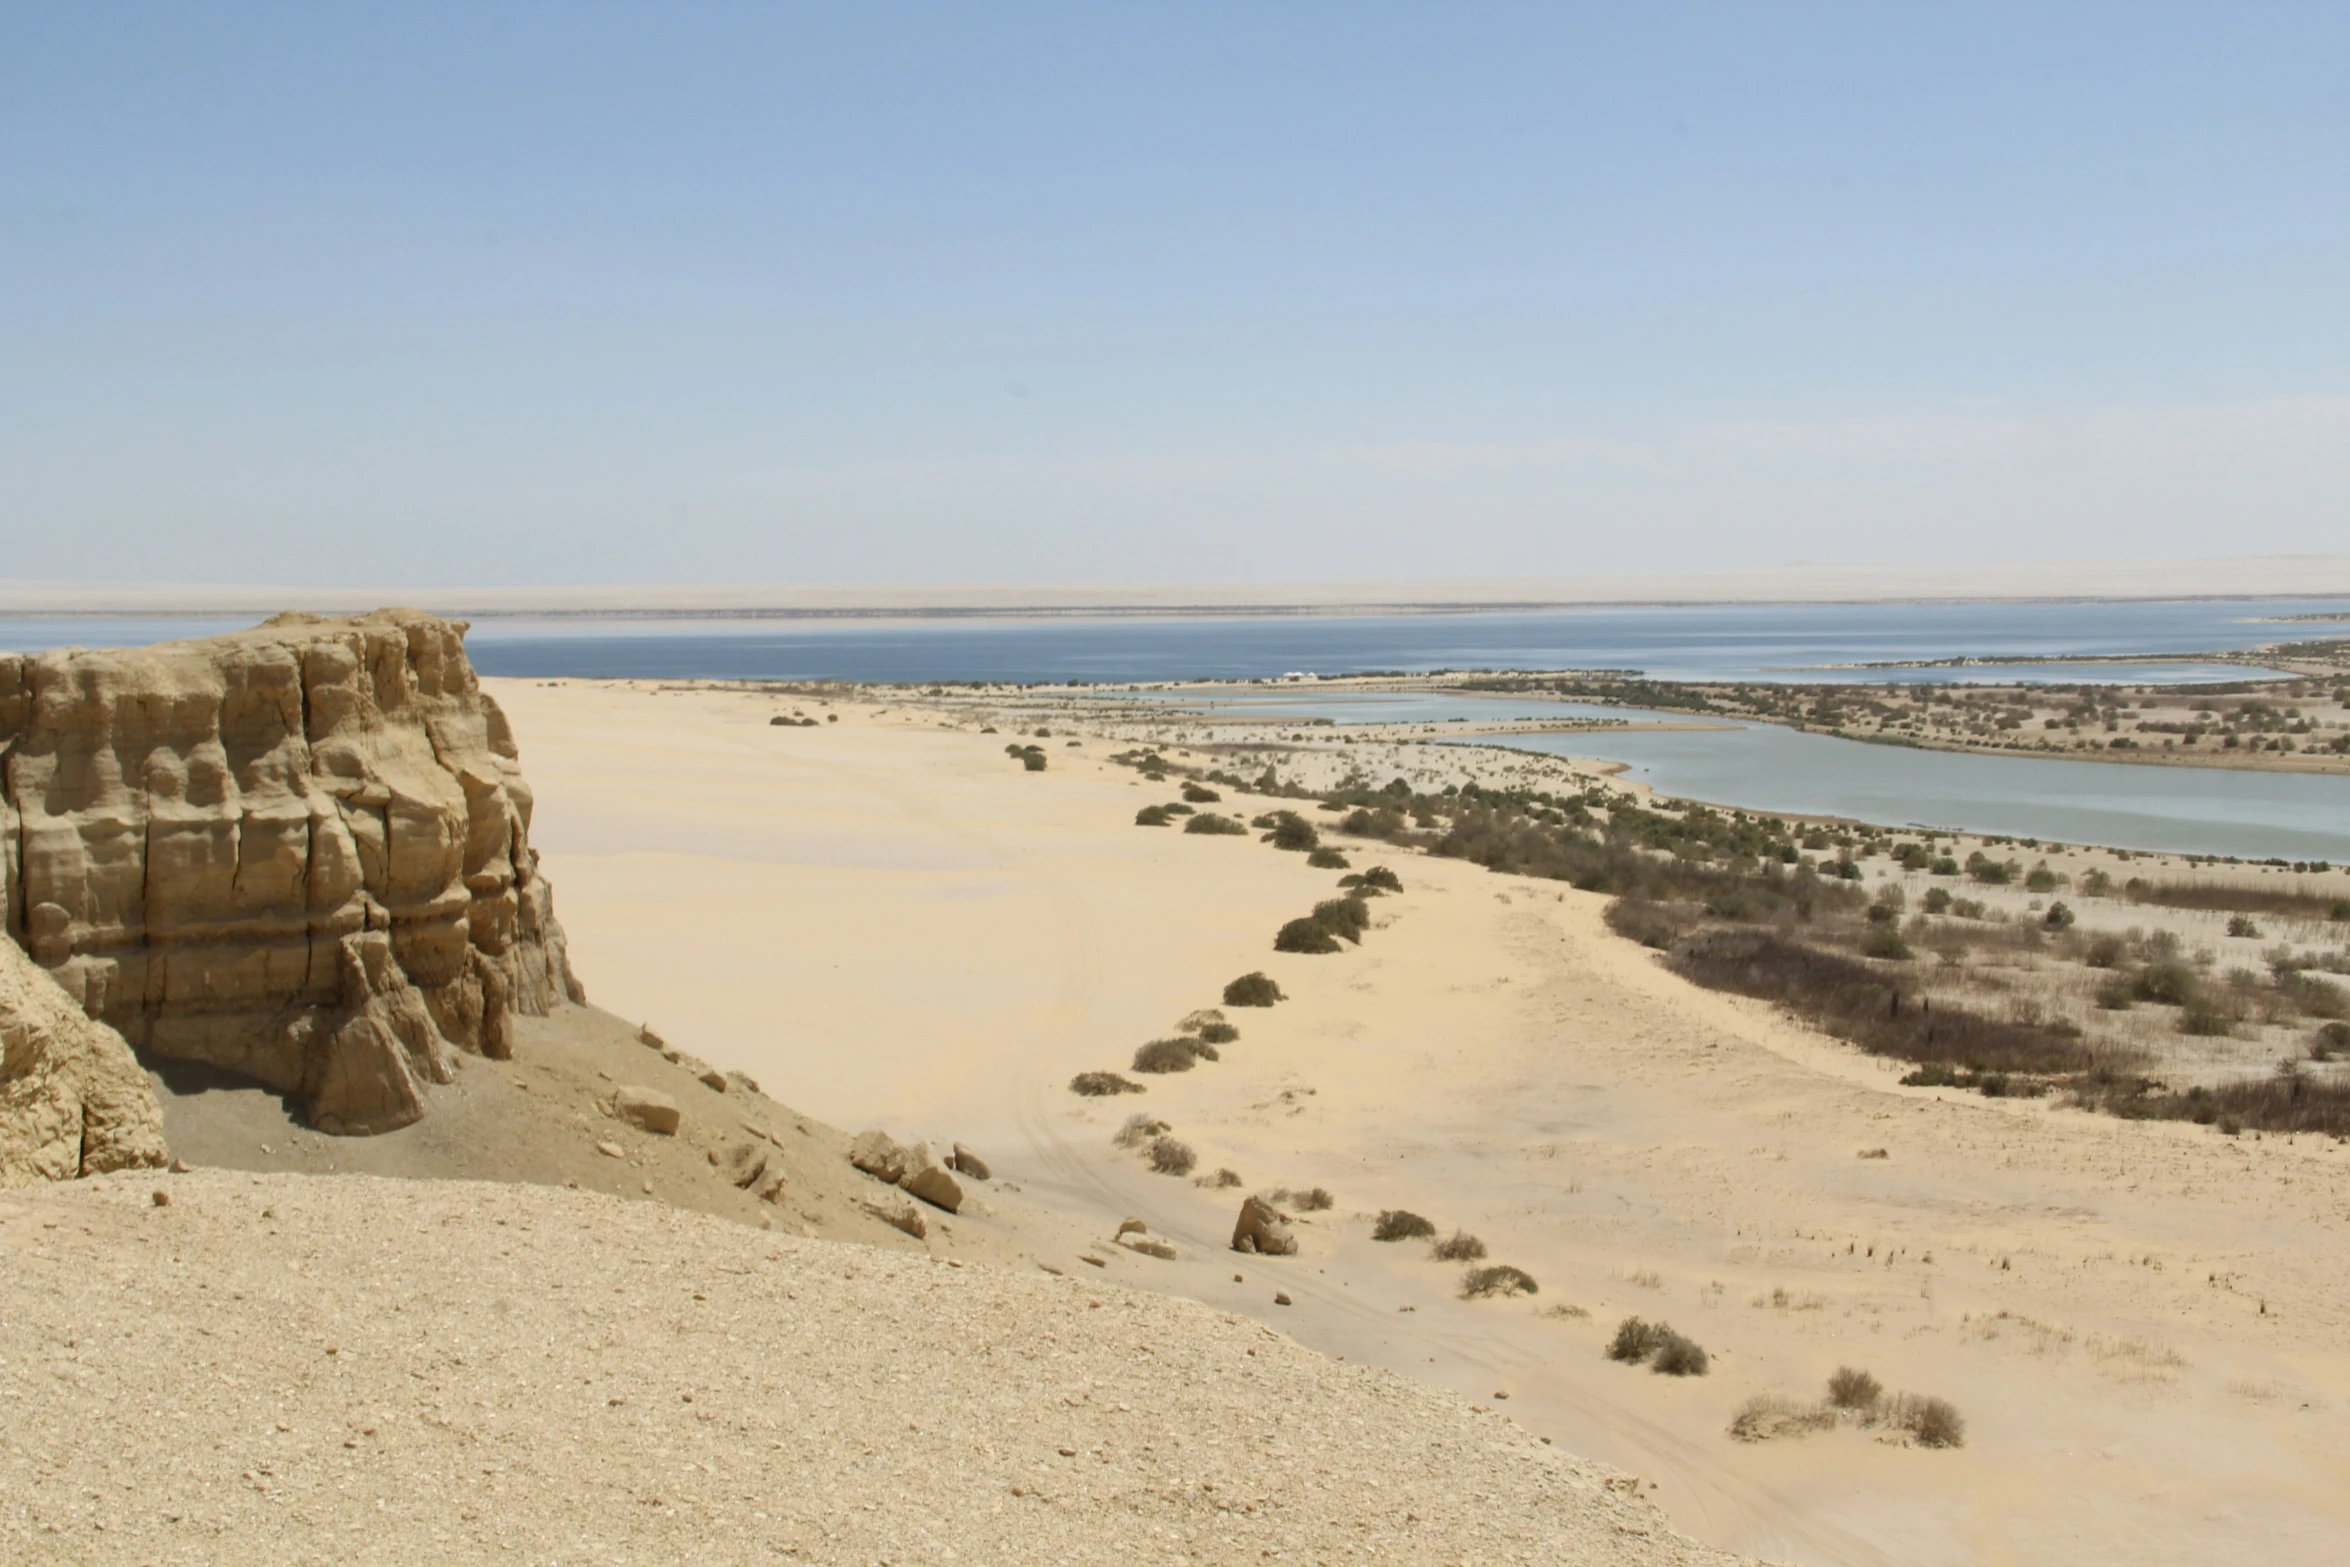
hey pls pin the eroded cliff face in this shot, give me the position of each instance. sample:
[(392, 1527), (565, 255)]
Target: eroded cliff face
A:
[(73, 1101), (299, 852)]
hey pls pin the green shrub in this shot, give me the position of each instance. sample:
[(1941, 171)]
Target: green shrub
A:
[(2243, 925), (1988, 871), (1498, 1279), (1304, 935), (1937, 900), (2168, 984), (2042, 879), (1346, 917), (1400, 1224), (1199, 794), (1173, 1055), (2058, 917), (1156, 816), (1208, 822), (1217, 1033), (1096, 1085), (2329, 1041), (1252, 990), (1883, 941), (2096, 884), (2104, 952), (1382, 879), (1292, 832), (1326, 859), (1459, 1246)]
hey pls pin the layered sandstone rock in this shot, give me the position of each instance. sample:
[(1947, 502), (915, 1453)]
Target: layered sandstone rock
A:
[(72, 1098), (300, 853)]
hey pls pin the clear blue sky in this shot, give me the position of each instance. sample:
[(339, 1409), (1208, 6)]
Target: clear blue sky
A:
[(474, 294)]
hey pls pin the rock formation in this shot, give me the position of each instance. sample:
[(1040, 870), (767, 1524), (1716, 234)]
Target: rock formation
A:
[(72, 1098), (1263, 1229), (299, 852)]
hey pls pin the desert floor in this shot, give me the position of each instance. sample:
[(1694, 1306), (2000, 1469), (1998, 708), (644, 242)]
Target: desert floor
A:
[(888, 922)]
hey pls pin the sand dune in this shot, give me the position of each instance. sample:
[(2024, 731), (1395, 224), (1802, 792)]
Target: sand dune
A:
[(2141, 1324)]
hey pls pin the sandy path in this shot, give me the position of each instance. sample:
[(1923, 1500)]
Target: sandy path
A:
[(893, 924)]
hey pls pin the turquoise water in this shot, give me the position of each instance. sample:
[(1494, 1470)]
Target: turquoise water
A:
[(1767, 767)]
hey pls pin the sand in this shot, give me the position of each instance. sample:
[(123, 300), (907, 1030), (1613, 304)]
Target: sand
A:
[(351, 1369), (2141, 1323)]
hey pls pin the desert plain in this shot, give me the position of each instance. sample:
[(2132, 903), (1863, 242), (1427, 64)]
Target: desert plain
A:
[(893, 925)]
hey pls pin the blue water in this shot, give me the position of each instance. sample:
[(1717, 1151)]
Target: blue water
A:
[(1701, 642)]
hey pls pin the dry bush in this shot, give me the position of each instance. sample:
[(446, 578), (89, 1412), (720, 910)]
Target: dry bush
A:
[(1400, 1224), (1169, 1157), (1314, 1199), (1380, 878), (1153, 816), (1200, 794), (1326, 859), (1459, 1246), (1139, 1129), (1850, 1388), (1209, 824), (1218, 1033), (1636, 1340), (1565, 1310), (1219, 1180), (1498, 1279), (1252, 990), (1344, 917), (1679, 1357), (1292, 831), (1097, 1085), (1934, 1422), (1769, 1416), (1193, 1021)]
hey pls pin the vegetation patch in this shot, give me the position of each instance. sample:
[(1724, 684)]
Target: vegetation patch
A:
[(1252, 990), (1097, 1085), (1401, 1224)]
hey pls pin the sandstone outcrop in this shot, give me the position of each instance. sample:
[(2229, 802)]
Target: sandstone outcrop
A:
[(1262, 1229), (300, 853), (73, 1101), (648, 1108)]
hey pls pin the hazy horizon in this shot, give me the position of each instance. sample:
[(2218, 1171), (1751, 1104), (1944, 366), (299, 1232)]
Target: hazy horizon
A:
[(503, 296)]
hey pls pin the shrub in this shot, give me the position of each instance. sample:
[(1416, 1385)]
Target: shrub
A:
[(1156, 816), (1767, 1415), (1210, 824), (1934, 1422), (1097, 1085), (2059, 916), (1885, 942), (2170, 984), (1218, 1033), (1348, 917), (2329, 1041), (2243, 925), (1139, 1129), (1385, 880), (1459, 1246), (1988, 871), (1033, 761), (1937, 900), (1679, 1357), (1200, 794), (2042, 879), (2116, 994), (1169, 1157), (1172, 1055), (1854, 1389), (2205, 1018), (1220, 1180), (1314, 1199), (1252, 990), (1293, 832), (1636, 1340), (1499, 1279), (2103, 952), (1305, 935), (1400, 1224), (1326, 859)]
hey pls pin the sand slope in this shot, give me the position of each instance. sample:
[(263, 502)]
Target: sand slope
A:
[(349, 1369), (2142, 1323)]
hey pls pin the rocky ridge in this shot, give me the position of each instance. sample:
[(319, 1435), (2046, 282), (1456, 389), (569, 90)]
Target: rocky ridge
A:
[(73, 1101), (298, 853)]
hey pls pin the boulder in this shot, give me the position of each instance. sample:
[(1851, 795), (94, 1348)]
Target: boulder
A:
[(198, 831), (744, 1163), (1263, 1230), (898, 1214), (965, 1162), (73, 1100), (648, 1108), (935, 1186), (878, 1155), (712, 1078)]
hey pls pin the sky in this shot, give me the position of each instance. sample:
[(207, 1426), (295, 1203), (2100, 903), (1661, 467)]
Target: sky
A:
[(481, 294)]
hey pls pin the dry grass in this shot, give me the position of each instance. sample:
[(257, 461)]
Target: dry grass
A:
[(1139, 1129), (1170, 1157), (1497, 1279)]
